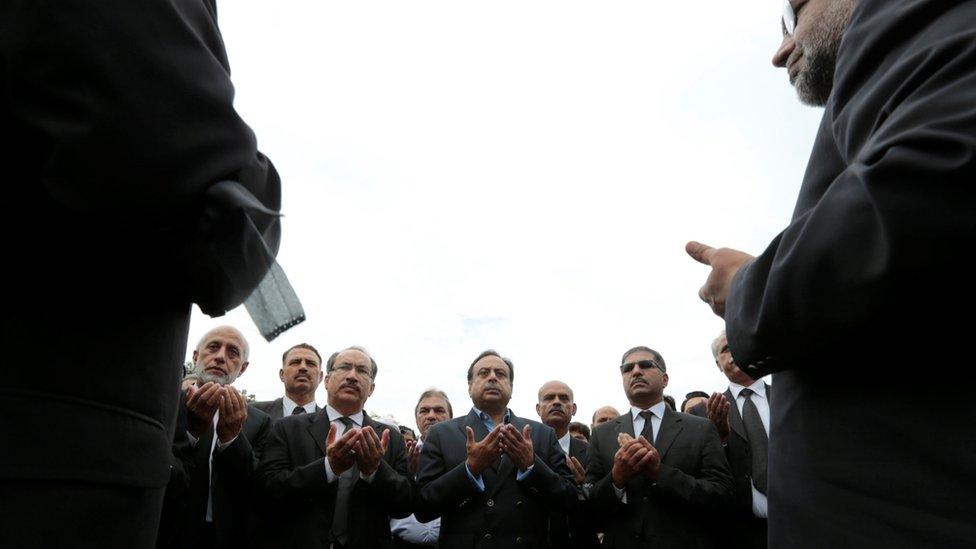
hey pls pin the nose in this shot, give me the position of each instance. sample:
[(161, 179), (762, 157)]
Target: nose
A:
[(784, 51)]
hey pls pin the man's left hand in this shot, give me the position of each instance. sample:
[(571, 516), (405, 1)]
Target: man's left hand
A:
[(233, 412), (518, 446), (371, 449), (725, 262)]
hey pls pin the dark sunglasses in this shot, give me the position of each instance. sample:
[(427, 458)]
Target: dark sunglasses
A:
[(642, 364)]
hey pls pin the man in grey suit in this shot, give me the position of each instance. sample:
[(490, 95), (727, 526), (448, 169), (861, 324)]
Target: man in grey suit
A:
[(301, 372), (654, 474), (491, 476), (744, 430)]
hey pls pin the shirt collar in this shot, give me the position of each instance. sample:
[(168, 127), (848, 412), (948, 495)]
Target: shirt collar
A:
[(290, 406), (758, 388), (485, 417), (657, 409), (564, 442), (334, 414)]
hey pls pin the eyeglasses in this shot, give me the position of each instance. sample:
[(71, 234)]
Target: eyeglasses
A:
[(642, 364), (789, 17), (345, 367)]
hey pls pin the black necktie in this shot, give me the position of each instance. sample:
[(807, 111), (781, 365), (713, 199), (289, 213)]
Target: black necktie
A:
[(347, 480), (648, 430), (300, 410), (758, 440)]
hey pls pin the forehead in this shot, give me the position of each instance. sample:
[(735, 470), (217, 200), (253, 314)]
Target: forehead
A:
[(299, 353), (432, 402), (492, 362), (352, 356), (637, 356), (224, 336), (554, 388)]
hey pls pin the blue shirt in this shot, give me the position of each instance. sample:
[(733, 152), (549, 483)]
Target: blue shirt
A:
[(490, 424)]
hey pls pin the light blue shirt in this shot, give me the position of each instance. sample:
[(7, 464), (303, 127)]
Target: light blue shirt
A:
[(490, 424)]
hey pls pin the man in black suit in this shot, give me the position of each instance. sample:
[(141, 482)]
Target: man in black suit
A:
[(657, 477), (744, 430), (491, 476), (556, 409), (333, 479), (130, 178), (218, 441), (875, 258), (301, 372)]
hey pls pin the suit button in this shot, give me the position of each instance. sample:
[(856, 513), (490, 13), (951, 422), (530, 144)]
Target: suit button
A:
[(488, 537), (534, 490), (518, 539), (491, 503), (645, 499), (518, 503), (636, 536)]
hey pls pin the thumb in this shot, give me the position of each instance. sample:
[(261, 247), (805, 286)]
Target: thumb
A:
[(329, 440), (701, 253), (576, 462), (385, 440), (526, 433), (470, 432)]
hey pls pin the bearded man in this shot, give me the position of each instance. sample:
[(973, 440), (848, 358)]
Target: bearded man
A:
[(877, 253)]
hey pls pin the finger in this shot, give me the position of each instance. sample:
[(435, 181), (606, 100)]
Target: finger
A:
[(633, 460), (701, 253), (330, 439), (526, 433), (646, 460), (576, 464), (623, 438), (385, 441), (470, 434)]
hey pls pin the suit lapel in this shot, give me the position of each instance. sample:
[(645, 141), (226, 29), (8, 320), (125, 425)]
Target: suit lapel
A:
[(735, 419), (577, 449), (670, 427), (319, 429), (278, 408)]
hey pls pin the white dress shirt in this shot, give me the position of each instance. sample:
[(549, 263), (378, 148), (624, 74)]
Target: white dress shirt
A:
[(658, 415), (357, 419), (420, 533), (760, 506), (564, 443), (288, 406), (214, 447)]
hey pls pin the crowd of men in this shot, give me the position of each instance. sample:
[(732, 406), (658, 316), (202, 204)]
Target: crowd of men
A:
[(288, 473)]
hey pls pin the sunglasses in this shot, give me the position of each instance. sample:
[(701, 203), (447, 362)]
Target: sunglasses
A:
[(789, 16), (642, 364)]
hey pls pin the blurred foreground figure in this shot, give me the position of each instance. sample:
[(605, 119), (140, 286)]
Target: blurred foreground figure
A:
[(131, 189), (858, 305)]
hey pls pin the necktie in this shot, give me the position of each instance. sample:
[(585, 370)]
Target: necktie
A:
[(648, 430), (758, 440), (301, 410), (347, 480)]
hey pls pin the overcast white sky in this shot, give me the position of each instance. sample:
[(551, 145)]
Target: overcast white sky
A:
[(517, 175)]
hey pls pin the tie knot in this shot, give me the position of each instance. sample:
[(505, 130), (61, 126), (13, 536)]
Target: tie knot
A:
[(747, 392), (646, 414), (298, 410), (347, 422)]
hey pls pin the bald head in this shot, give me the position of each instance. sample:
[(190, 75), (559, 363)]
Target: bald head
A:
[(556, 407), (604, 414)]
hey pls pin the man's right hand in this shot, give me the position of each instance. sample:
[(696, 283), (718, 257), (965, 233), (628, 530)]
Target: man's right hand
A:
[(718, 412), (341, 453), (630, 460), (201, 405), (482, 454)]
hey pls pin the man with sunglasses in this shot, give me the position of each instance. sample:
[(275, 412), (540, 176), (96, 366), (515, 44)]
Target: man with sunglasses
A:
[(655, 474), (334, 478), (875, 262)]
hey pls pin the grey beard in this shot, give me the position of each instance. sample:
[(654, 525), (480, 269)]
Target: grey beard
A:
[(815, 82), (206, 377)]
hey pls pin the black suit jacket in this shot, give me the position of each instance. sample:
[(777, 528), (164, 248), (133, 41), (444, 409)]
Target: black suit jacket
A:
[(275, 408), (572, 530), (509, 512), (301, 502), (866, 446), (231, 478), (680, 508), (112, 141), (745, 529)]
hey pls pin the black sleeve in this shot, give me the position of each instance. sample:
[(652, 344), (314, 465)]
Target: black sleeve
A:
[(883, 253), (119, 124)]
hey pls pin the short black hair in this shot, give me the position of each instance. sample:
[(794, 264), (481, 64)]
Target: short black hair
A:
[(581, 427), (404, 430), (669, 400), (300, 346), (492, 352), (657, 356), (331, 362), (691, 395)]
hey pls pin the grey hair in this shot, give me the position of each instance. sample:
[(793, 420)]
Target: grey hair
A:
[(716, 345), (331, 362), (657, 356), (433, 391), (245, 351)]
